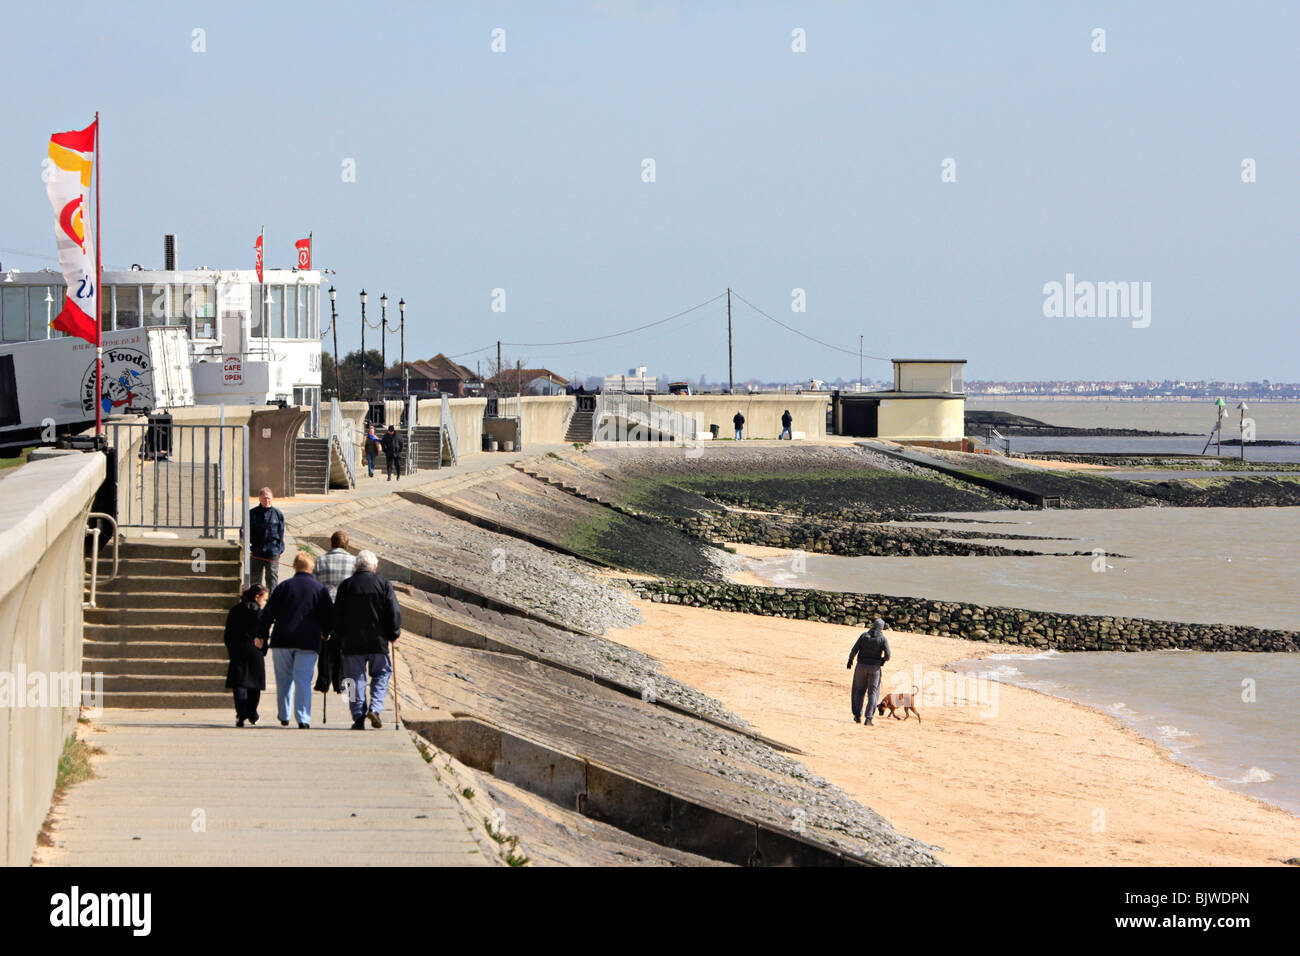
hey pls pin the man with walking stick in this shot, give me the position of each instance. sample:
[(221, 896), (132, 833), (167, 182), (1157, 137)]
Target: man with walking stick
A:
[(367, 619)]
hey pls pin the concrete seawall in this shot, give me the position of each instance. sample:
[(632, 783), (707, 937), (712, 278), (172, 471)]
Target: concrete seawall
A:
[(43, 508)]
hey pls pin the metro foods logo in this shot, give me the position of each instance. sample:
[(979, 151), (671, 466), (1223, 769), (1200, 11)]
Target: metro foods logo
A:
[(127, 383)]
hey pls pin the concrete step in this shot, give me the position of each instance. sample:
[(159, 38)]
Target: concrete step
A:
[(158, 666), (221, 601), (103, 650), (164, 684), (177, 619), (225, 585), (182, 700), (216, 568), (177, 548)]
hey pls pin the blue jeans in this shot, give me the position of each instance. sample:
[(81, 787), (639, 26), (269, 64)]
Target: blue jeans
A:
[(785, 433), (370, 463), (294, 670), (354, 677), (738, 435)]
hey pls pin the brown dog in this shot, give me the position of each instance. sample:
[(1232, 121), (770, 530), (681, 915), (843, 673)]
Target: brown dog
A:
[(907, 702)]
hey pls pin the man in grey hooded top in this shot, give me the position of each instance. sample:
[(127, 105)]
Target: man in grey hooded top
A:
[(872, 652)]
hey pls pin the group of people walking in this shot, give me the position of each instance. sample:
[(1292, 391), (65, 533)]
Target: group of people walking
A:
[(337, 615), (392, 446)]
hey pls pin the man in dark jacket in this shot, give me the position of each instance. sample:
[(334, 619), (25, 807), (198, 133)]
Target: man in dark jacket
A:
[(786, 421), (297, 619), (265, 541), (872, 652), (739, 421), (394, 446), (366, 619)]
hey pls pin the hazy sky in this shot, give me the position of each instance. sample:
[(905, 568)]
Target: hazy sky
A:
[(774, 171)]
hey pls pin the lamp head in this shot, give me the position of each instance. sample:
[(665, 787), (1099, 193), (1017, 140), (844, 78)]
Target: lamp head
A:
[(401, 304), (383, 301), (363, 296), (333, 293)]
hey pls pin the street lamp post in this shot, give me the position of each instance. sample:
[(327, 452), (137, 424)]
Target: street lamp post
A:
[(363, 345), (334, 324), (401, 307), (383, 345)]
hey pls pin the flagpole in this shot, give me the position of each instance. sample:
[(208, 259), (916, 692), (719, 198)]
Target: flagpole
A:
[(99, 301)]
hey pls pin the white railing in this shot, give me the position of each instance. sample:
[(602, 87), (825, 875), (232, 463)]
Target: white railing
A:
[(448, 432), (341, 438), (641, 420)]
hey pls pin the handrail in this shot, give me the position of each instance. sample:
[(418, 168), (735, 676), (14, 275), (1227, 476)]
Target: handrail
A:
[(448, 428), (342, 438), (94, 552), (644, 413)]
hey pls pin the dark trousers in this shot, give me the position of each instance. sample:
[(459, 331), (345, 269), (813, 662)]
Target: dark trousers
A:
[(393, 465), (246, 699), (264, 571), (866, 683)]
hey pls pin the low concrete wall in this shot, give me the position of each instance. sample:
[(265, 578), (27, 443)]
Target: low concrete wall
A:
[(466, 416), (43, 508), (545, 418), (762, 412)]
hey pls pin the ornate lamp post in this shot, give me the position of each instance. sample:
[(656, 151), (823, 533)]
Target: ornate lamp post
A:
[(401, 307), (383, 345), (363, 345), (334, 324)]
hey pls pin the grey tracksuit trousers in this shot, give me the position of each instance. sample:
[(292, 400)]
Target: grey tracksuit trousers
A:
[(866, 683)]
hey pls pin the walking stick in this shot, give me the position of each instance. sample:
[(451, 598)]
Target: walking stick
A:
[(397, 701)]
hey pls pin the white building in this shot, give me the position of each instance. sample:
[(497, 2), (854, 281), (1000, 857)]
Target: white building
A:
[(250, 343)]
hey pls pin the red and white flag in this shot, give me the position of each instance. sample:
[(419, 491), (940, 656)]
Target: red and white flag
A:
[(257, 250), (67, 181), (304, 252)]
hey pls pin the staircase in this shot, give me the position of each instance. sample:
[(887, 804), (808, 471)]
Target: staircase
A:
[(580, 426), (430, 452), (311, 473), (157, 632)]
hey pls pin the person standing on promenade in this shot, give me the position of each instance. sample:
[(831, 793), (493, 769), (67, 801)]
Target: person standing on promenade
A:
[(872, 652), (372, 448), (394, 445), (265, 541), (246, 675), (333, 568), (786, 420), (367, 619), (296, 619), (739, 421)]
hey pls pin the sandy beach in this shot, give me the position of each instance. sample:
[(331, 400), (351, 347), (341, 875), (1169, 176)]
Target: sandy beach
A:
[(1031, 781)]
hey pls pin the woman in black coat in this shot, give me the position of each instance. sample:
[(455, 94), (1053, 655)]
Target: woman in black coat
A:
[(246, 675)]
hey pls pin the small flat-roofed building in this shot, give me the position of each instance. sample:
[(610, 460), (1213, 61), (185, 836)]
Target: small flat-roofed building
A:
[(927, 405)]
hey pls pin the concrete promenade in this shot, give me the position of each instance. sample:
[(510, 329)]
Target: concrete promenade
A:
[(186, 788)]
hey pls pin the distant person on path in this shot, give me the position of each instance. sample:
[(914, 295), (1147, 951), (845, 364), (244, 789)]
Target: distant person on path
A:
[(372, 447), (246, 675), (394, 447), (296, 619), (786, 420), (265, 541), (739, 421), (367, 619), (872, 652)]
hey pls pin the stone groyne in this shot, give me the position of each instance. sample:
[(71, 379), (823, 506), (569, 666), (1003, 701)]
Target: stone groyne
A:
[(975, 622)]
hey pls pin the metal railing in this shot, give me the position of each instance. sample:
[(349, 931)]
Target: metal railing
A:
[(97, 516), (342, 440), (448, 432), (642, 420)]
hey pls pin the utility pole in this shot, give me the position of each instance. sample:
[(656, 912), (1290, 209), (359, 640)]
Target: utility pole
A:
[(731, 374), (499, 369), (859, 361)]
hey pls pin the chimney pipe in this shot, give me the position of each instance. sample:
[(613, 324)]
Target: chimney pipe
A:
[(169, 252)]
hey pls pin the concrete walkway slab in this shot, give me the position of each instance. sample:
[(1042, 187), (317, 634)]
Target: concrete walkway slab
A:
[(188, 788)]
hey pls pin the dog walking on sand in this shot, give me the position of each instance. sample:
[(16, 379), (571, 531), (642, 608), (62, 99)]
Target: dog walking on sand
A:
[(872, 652)]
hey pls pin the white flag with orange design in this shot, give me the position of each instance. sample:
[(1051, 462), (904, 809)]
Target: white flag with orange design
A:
[(67, 180)]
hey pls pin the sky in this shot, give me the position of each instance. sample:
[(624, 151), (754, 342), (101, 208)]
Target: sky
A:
[(813, 177)]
